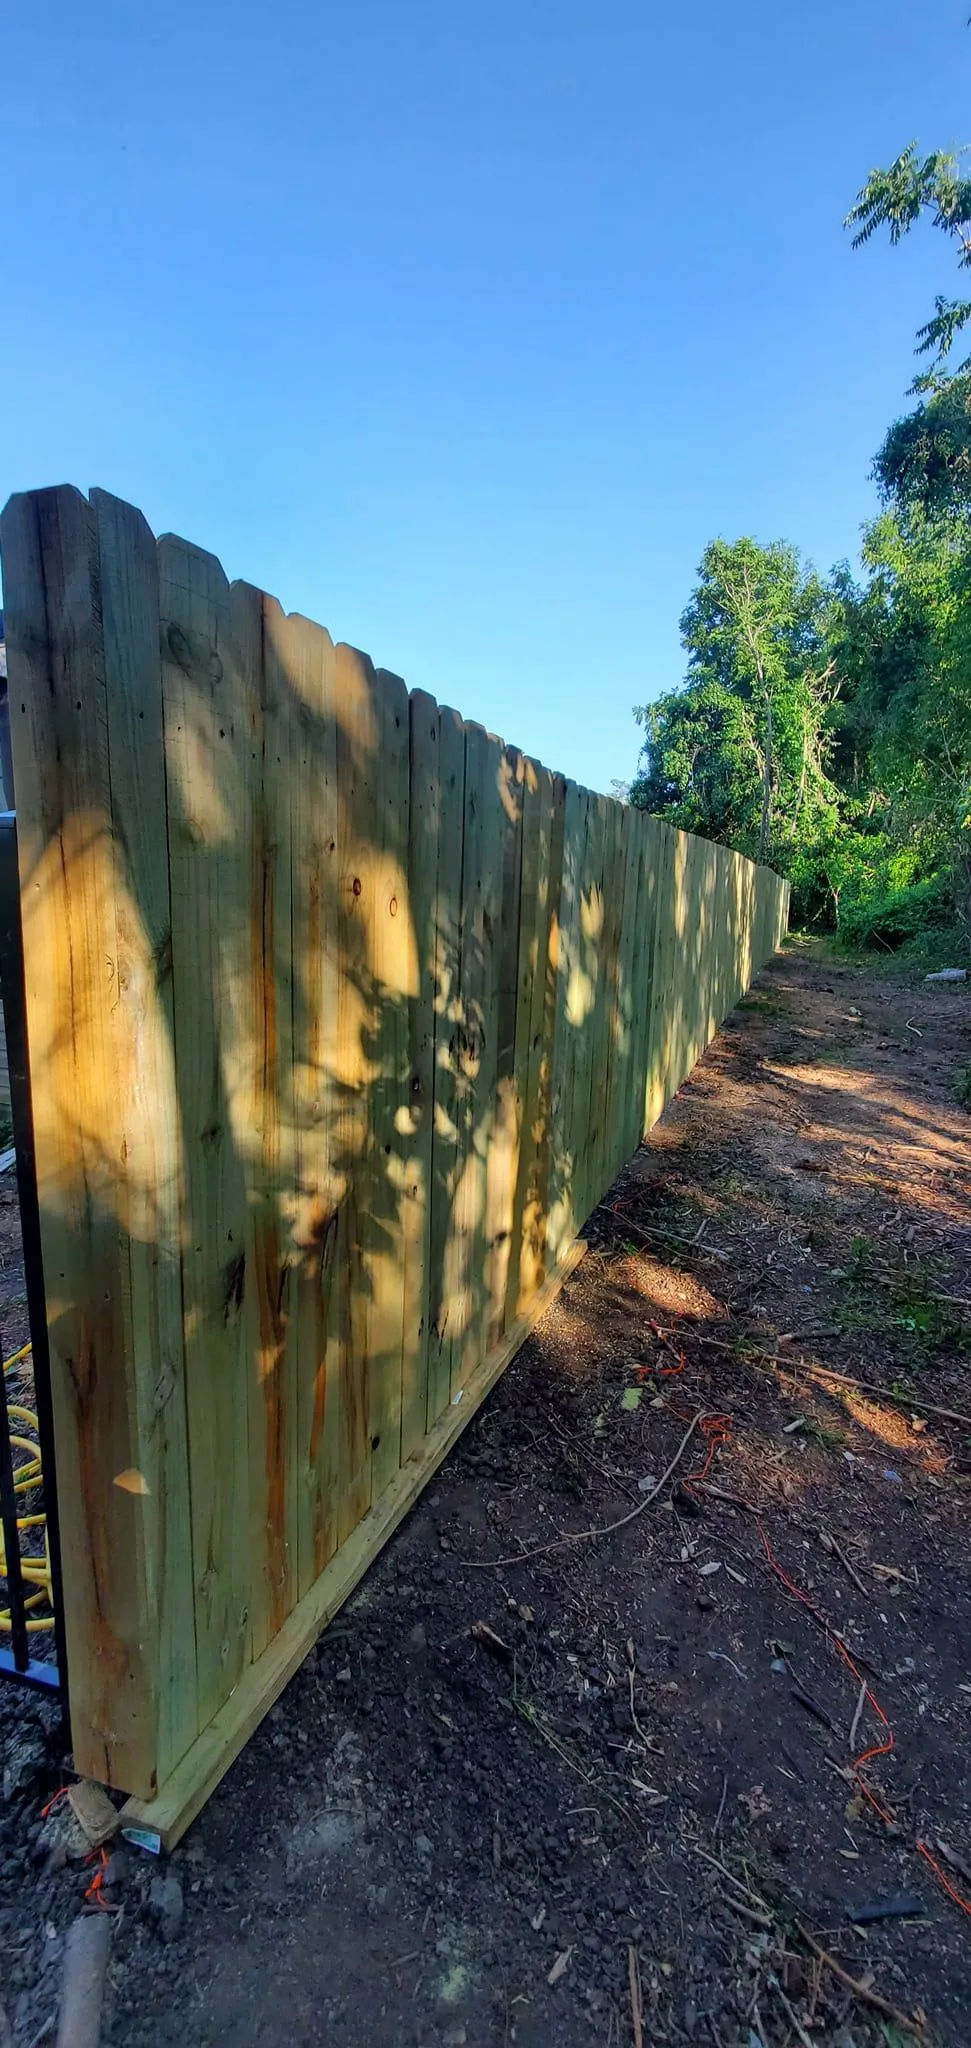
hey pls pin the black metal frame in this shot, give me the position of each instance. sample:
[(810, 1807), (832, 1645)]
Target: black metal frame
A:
[(17, 1663)]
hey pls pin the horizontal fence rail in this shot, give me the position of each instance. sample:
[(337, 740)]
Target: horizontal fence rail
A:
[(343, 1015)]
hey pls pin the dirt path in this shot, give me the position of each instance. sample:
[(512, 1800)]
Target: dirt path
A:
[(632, 1803)]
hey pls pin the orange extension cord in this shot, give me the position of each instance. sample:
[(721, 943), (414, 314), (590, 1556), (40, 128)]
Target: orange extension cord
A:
[(716, 1430)]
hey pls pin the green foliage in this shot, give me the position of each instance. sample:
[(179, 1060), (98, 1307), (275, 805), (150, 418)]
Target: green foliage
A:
[(924, 463), (962, 1087), (896, 199), (825, 726), (888, 918), (738, 753)]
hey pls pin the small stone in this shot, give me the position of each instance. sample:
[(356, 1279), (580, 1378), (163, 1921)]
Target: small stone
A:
[(416, 1638), (344, 1676), (369, 1654), (454, 2037), (166, 1906), (423, 1847), (117, 1867)]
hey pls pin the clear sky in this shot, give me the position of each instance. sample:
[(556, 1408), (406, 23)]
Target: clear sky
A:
[(462, 325)]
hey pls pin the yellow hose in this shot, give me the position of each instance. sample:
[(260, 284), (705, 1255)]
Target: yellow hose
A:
[(35, 1571)]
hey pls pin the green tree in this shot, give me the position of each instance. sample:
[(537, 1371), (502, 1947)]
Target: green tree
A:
[(924, 463), (897, 198), (739, 752)]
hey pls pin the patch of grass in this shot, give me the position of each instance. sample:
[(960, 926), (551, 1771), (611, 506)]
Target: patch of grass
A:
[(827, 1439), (763, 1004), (6, 1127), (962, 1087)]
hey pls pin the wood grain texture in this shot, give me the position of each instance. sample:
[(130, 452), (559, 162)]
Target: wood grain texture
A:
[(148, 1103), (108, 1187), (209, 719), (449, 1032), (309, 1205), (425, 803), (173, 1810), (342, 1018)]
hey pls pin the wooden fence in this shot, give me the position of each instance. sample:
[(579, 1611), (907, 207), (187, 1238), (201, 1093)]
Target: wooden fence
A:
[(342, 1015)]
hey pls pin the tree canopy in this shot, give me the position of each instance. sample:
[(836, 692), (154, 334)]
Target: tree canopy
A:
[(824, 724)]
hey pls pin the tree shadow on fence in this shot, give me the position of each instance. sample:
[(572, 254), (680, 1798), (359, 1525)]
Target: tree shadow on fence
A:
[(340, 1017)]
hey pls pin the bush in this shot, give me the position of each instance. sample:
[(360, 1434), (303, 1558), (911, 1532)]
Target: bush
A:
[(891, 917)]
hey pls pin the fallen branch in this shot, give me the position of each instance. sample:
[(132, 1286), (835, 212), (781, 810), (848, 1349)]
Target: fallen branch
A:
[(854, 1724), (862, 1991), (792, 2016), (82, 1995), (829, 1543), (751, 1356), (634, 1980), (485, 1564), (666, 1236), (882, 1393)]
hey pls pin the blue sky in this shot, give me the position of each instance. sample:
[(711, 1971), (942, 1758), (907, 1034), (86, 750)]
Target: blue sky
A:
[(462, 325)]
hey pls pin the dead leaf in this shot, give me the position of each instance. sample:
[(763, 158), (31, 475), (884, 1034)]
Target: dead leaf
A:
[(561, 1965)]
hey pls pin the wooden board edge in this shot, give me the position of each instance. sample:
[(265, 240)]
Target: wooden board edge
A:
[(182, 1797)]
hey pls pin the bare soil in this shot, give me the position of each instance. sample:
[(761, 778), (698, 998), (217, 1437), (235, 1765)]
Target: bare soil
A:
[(618, 1822)]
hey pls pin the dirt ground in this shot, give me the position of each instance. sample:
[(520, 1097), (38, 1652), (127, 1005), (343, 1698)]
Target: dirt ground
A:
[(620, 1817)]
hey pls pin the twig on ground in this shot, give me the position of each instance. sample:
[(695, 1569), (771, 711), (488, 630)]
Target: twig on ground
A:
[(484, 1564), (489, 1640), (750, 1913), (603, 1471), (745, 1889), (854, 1724), (829, 1543), (882, 1393), (721, 1807), (648, 1744), (791, 2015), (863, 1991), (634, 1980), (750, 1356), (667, 1236)]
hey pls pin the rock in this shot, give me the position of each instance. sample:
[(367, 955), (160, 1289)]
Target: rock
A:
[(117, 1868), (948, 974), (454, 2037), (416, 1638), (423, 1847), (61, 1839), (23, 1763), (166, 1906)]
